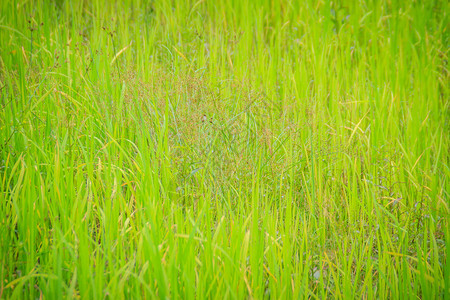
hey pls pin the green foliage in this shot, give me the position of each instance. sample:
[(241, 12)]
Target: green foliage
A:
[(224, 149)]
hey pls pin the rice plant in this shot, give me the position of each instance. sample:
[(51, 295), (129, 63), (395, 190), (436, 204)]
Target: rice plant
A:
[(224, 149)]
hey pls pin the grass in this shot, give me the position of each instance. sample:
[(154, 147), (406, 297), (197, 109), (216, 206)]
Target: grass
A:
[(224, 149)]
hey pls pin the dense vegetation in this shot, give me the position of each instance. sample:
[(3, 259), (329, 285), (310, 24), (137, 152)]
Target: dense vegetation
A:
[(224, 149)]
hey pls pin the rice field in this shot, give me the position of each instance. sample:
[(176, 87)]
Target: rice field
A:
[(224, 149)]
